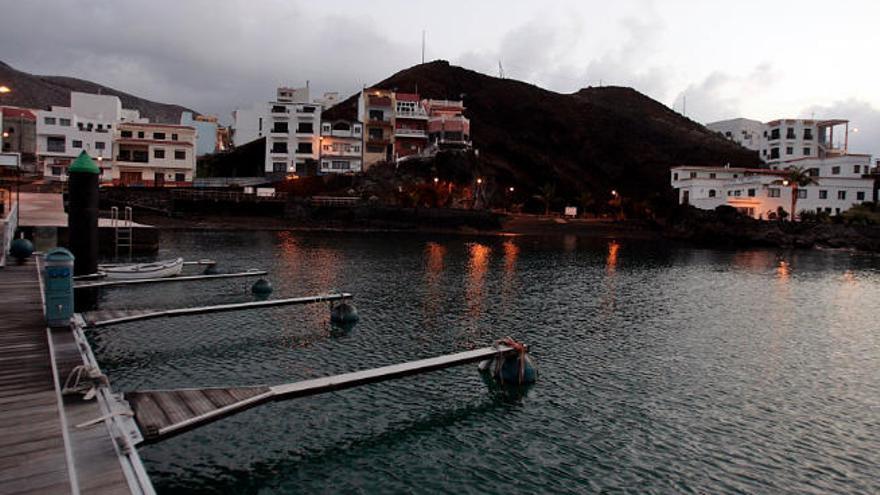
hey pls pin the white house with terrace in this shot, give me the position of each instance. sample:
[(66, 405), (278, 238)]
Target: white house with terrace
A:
[(784, 140), (86, 125), (841, 182)]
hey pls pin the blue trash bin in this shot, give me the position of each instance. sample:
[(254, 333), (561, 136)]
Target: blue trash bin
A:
[(58, 284)]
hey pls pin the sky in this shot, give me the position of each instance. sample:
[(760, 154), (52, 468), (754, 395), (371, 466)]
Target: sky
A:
[(763, 59)]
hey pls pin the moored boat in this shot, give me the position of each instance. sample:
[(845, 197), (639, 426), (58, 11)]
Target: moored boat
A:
[(157, 269)]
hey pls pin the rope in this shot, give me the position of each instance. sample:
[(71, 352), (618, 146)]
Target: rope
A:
[(520, 349), (84, 379)]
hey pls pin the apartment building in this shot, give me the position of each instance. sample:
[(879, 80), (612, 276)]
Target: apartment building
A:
[(153, 155), (784, 140), (293, 137), (19, 135), (341, 147), (841, 182), (207, 140), (376, 111), (410, 125), (249, 124), (86, 125), (448, 128)]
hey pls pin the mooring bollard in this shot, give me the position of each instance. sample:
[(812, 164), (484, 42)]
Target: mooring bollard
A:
[(82, 217), (58, 287)]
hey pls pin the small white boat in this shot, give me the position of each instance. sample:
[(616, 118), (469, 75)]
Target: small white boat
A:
[(158, 269)]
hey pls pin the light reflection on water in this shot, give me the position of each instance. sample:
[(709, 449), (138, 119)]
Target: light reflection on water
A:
[(662, 369)]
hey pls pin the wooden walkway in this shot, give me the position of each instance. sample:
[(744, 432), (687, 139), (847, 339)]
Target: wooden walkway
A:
[(102, 318), (164, 413), (185, 278), (41, 449)]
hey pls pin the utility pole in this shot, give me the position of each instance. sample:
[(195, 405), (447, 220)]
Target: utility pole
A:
[(500, 69), (423, 46)]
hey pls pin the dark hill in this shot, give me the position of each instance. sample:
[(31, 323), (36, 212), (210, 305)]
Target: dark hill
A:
[(41, 92), (597, 139)]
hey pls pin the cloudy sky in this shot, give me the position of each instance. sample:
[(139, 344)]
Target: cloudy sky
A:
[(760, 59)]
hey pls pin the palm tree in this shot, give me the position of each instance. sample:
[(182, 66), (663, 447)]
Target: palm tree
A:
[(796, 177), (586, 200), (548, 194)]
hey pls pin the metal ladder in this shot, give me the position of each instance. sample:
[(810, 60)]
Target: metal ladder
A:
[(122, 229)]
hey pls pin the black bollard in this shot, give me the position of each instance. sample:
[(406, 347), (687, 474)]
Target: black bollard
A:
[(82, 216)]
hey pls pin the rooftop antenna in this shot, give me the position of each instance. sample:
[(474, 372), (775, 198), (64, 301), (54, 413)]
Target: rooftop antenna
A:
[(500, 69), (684, 105), (423, 46)]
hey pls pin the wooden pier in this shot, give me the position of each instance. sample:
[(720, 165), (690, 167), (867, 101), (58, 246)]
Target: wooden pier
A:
[(164, 413), (41, 449), (89, 284), (113, 317)]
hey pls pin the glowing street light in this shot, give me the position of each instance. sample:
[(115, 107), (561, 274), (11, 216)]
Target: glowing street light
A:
[(785, 183), (510, 189), (614, 193), (479, 181), (436, 180), (5, 89)]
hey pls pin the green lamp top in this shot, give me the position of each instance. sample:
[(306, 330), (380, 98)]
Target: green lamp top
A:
[(84, 163)]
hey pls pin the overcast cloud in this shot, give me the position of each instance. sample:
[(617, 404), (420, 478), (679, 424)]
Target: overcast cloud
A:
[(758, 60)]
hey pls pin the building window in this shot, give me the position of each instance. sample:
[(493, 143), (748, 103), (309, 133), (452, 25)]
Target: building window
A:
[(823, 194), (49, 120), (159, 153), (711, 193), (808, 151), (340, 165), (174, 138), (837, 211), (140, 134), (835, 170), (76, 143), (99, 145), (789, 133), (305, 128), (55, 144), (64, 122), (377, 115), (179, 177), (279, 167), (802, 194), (841, 195), (180, 154), (279, 147), (693, 175), (789, 150), (808, 134), (737, 193), (857, 169), (774, 153), (712, 175), (57, 171), (860, 195), (304, 148), (280, 127), (125, 134), (774, 134), (730, 193), (773, 192), (751, 193), (159, 136)]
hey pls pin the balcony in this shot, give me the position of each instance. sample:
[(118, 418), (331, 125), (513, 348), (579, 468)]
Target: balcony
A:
[(420, 114), (414, 133), (378, 141), (279, 110)]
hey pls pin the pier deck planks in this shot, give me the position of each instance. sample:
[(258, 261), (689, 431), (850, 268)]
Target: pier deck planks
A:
[(164, 413)]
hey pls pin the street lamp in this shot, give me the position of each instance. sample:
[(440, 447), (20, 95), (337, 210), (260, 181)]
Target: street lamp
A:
[(510, 189), (436, 180), (479, 181)]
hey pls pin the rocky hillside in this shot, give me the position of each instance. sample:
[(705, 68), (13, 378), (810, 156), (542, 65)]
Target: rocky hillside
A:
[(597, 139), (41, 92)]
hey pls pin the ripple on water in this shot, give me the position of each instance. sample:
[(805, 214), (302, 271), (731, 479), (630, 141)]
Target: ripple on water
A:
[(662, 369)]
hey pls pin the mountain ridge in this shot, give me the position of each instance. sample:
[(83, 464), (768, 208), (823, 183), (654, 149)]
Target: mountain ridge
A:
[(40, 92)]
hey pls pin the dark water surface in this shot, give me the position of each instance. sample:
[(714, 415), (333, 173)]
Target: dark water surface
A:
[(662, 369)]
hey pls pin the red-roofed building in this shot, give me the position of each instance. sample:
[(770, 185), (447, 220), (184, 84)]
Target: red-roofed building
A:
[(410, 125), (447, 125), (19, 134)]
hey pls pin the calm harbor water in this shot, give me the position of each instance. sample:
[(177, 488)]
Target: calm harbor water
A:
[(662, 369)]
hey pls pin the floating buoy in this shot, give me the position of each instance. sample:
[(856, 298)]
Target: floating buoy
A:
[(512, 369), (21, 249), (344, 313), (262, 287)]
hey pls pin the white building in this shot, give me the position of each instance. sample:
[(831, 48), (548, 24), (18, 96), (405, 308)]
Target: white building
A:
[(87, 124), (781, 141), (154, 155), (294, 126), (341, 147), (841, 183), (249, 124)]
